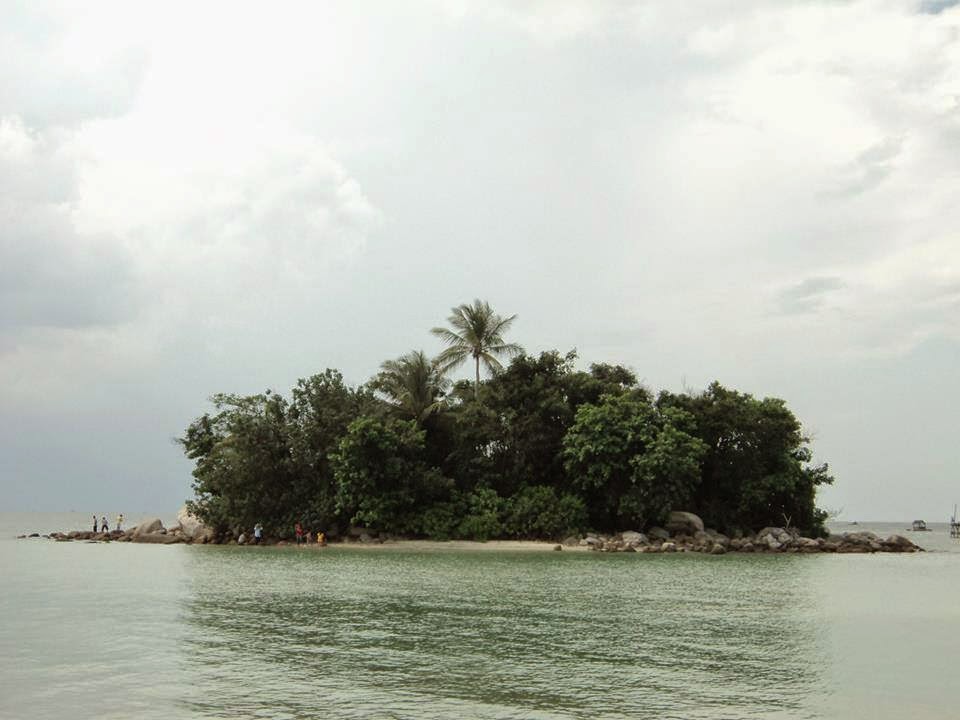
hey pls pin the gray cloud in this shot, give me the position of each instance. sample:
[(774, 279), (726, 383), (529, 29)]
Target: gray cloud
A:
[(934, 7), (43, 76), (868, 169), (51, 275), (809, 294), (637, 181)]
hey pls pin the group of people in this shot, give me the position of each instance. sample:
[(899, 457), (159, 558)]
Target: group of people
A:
[(305, 537), (104, 526)]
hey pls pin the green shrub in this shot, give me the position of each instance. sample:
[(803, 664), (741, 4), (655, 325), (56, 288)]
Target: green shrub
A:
[(538, 512)]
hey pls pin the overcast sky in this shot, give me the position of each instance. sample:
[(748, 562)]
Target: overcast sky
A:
[(205, 197)]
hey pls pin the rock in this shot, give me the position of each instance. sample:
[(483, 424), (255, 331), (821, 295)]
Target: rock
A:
[(684, 522), (864, 537), (668, 547), (632, 536), (774, 531), (718, 537), (190, 525), (772, 543), (898, 543), (148, 527), (242, 539), (717, 549), (658, 533), (558, 547), (747, 546), (591, 540), (151, 538), (571, 541), (853, 548)]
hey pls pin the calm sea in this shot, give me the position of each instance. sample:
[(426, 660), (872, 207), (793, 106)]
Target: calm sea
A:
[(150, 631)]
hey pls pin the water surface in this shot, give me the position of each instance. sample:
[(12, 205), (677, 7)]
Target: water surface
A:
[(117, 630)]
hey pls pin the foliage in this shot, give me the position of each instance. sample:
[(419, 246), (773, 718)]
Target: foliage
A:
[(483, 519), (381, 475), (537, 511), (413, 384), (477, 332), (756, 470), (632, 462), (538, 450)]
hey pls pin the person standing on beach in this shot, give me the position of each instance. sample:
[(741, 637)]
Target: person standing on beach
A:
[(103, 524), (257, 533), (120, 521), (298, 531), (94, 523)]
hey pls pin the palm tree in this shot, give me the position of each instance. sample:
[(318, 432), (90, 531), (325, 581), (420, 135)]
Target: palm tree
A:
[(477, 331), (414, 385)]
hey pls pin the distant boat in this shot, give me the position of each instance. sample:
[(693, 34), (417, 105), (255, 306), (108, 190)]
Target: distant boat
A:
[(920, 526)]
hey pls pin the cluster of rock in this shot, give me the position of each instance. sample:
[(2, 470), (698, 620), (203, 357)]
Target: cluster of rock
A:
[(685, 533), (188, 529)]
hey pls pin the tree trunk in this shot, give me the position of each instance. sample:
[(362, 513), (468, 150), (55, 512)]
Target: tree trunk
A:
[(476, 386)]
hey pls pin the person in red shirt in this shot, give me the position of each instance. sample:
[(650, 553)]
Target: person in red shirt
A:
[(298, 530)]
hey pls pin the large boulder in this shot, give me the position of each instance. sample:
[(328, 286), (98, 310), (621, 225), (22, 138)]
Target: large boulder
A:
[(148, 527), (633, 537), (684, 522), (155, 538), (898, 543), (775, 532), (190, 525), (659, 533)]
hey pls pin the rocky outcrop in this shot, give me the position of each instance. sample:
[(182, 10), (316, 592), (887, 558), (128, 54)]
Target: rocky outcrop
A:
[(148, 527), (684, 522), (190, 525), (768, 540)]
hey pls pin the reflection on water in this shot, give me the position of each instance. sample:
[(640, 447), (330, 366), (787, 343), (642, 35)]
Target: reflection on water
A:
[(164, 632), (353, 633)]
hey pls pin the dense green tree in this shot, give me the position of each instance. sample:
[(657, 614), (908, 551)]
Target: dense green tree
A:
[(381, 475), (633, 463), (475, 331), (756, 470), (243, 472), (539, 511), (322, 408)]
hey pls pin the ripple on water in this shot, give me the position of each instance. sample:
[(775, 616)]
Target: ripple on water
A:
[(517, 635)]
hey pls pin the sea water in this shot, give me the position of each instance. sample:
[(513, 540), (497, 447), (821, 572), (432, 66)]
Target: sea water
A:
[(95, 630)]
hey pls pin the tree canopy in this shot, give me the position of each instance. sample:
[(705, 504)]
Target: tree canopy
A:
[(538, 450)]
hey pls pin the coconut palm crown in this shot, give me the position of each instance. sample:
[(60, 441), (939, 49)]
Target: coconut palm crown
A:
[(413, 384), (475, 331)]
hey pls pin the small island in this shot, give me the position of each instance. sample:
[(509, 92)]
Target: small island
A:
[(536, 451)]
